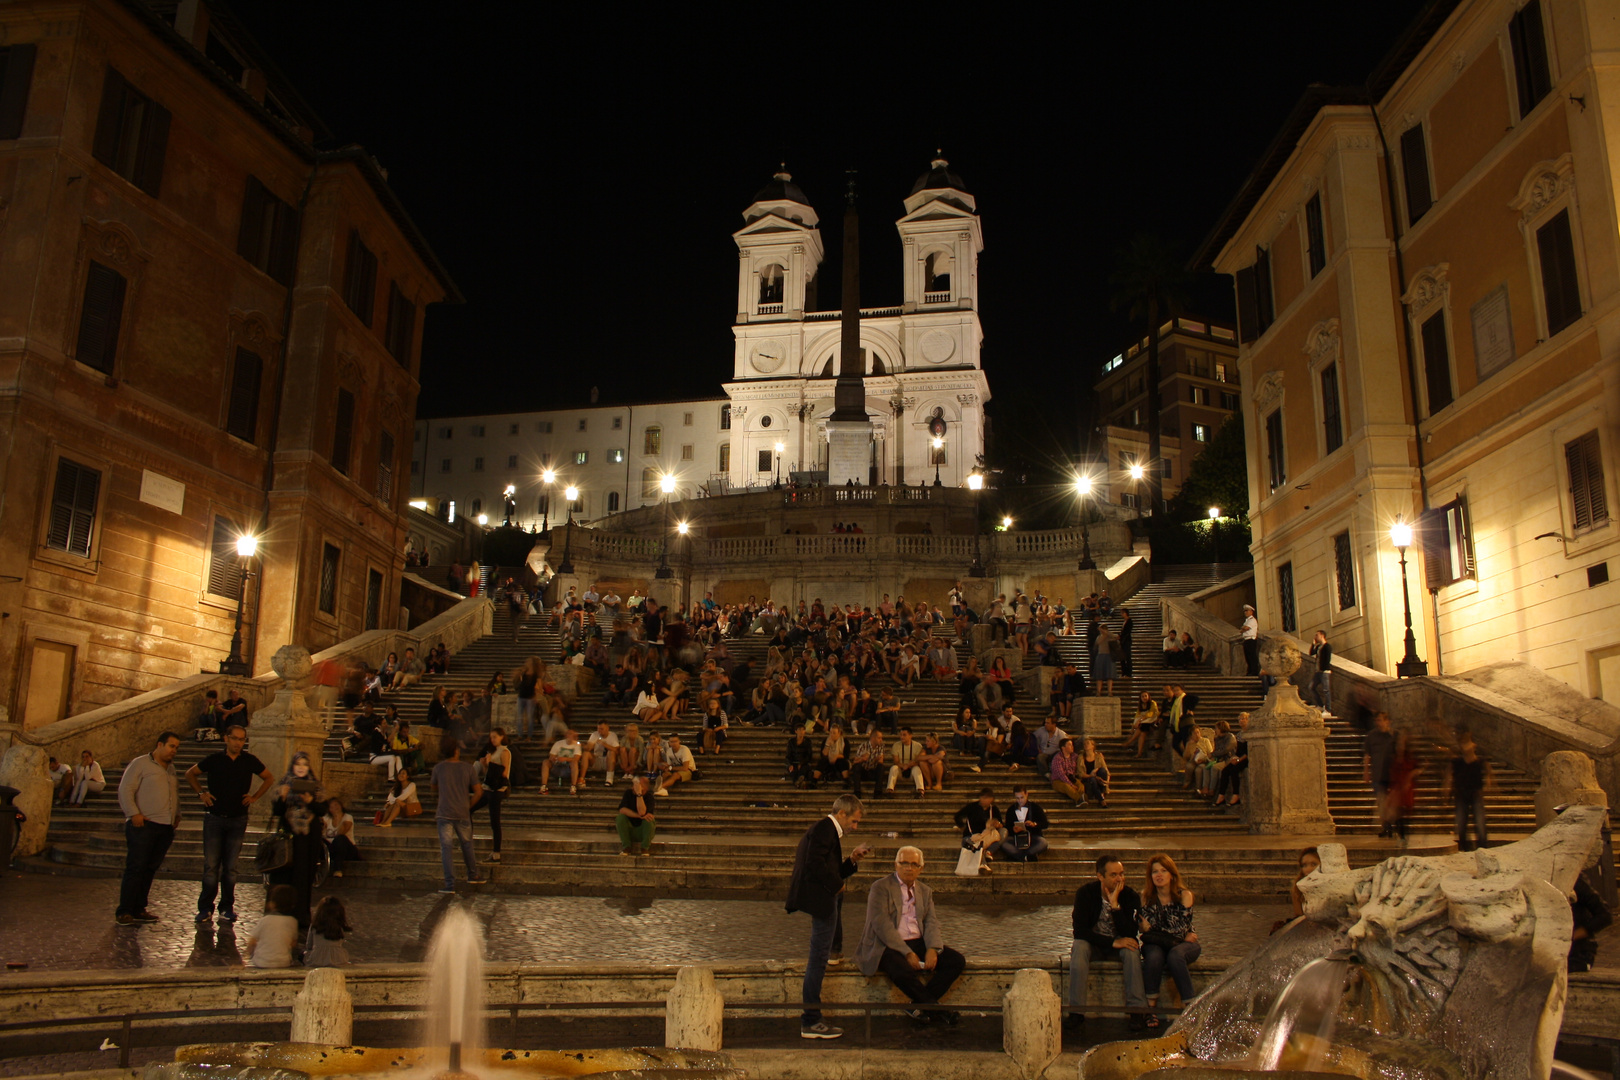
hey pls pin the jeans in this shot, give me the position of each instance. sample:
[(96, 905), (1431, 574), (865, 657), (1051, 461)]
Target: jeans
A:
[(525, 717), (825, 935), (450, 834), (1011, 851), (145, 847), (1320, 690), (1081, 955), (1475, 806), (1156, 959), (222, 843)]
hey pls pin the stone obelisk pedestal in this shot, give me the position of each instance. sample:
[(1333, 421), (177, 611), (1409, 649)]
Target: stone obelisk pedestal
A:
[(1287, 740), (849, 452)]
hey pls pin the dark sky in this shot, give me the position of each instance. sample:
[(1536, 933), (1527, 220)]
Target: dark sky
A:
[(581, 176)]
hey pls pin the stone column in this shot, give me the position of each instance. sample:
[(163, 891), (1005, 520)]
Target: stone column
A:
[(1032, 1022), (288, 723), (323, 1012), (1567, 778), (694, 1011), (1287, 739), (24, 768)]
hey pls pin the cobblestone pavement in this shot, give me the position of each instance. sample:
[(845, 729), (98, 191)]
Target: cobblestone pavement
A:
[(394, 925)]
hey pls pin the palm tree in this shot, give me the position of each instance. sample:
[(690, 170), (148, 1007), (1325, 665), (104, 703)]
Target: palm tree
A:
[(1149, 284)]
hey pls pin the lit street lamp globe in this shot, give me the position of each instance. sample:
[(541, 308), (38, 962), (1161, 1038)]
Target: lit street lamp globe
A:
[(1400, 534), (1082, 484), (666, 483), (571, 493), (1214, 512), (1137, 472), (975, 481), (247, 545)]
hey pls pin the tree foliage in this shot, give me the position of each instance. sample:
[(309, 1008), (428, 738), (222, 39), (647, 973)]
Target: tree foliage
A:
[(1220, 477)]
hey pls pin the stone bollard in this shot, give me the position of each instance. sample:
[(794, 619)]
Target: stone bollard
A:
[(1567, 778), (1100, 717), (323, 1012), (1032, 1022), (694, 1011), (25, 768)]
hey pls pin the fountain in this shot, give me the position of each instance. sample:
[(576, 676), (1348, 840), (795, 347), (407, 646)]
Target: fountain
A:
[(454, 1040), (1418, 968)]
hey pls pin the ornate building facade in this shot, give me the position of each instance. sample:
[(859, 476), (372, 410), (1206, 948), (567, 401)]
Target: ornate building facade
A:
[(1428, 285)]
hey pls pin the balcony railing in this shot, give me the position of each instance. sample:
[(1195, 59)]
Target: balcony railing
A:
[(770, 309), (936, 297)]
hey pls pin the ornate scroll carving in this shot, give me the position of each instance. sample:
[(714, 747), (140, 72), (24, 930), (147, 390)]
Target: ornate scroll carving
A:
[(1268, 391), (1428, 285), (1544, 184)]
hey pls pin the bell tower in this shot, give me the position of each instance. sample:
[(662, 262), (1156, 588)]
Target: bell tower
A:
[(942, 239), (778, 253)]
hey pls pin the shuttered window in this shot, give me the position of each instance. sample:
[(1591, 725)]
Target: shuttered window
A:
[(1530, 69), (101, 317), (343, 432), (1332, 421), (1344, 571), (373, 599), (360, 278), (1276, 464), (1436, 362), (1314, 239), (1560, 289), (1589, 498), (73, 508), (268, 234), (401, 325), (16, 74), (385, 467), (1448, 543), (1415, 174), (327, 598), (242, 417), (1285, 597), (132, 134), (1264, 303), (224, 564)]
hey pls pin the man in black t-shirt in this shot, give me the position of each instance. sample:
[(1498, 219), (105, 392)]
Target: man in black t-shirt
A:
[(230, 793)]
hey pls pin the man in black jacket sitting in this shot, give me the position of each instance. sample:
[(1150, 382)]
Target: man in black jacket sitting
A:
[(1105, 928), (1025, 823)]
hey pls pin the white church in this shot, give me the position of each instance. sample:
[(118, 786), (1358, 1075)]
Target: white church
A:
[(925, 389)]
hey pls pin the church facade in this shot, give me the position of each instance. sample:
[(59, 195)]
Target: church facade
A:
[(925, 390)]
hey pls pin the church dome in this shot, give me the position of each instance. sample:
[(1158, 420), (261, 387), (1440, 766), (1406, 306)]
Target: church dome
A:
[(781, 188), (939, 175)]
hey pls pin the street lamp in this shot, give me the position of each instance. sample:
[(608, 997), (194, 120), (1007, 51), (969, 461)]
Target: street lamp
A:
[(246, 546), (1137, 472), (1214, 540), (939, 444), (567, 565), (779, 449), (1006, 522), (666, 484), (483, 519), (1411, 666), (547, 477), (1082, 486), (975, 482)]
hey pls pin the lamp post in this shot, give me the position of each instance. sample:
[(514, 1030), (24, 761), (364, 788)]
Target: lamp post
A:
[(548, 477), (1137, 472), (567, 565), (1214, 540), (666, 484), (779, 449), (246, 546), (975, 482), (939, 444), (1082, 486), (1411, 665)]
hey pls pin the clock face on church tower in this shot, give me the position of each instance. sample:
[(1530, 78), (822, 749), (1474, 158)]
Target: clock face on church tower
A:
[(768, 356)]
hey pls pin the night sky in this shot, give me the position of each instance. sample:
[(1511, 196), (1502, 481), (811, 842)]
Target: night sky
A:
[(581, 176)]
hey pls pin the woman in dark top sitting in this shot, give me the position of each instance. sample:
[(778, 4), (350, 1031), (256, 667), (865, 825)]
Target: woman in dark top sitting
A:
[(1168, 938), (1021, 747), (438, 710)]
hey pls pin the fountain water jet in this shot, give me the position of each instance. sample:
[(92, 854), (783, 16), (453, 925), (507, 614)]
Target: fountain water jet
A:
[(455, 998)]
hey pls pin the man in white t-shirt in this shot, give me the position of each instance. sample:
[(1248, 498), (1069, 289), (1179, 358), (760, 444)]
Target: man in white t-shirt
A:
[(602, 751), (567, 755), (678, 765)]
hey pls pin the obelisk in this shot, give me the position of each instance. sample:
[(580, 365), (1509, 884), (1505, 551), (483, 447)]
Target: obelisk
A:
[(849, 429)]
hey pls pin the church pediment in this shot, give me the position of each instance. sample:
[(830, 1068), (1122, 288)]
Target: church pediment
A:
[(771, 223), (938, 209)]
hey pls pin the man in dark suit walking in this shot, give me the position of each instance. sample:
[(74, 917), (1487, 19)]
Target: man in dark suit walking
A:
[(819, 870), (903, 938)]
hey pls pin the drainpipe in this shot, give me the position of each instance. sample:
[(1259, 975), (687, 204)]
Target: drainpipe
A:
[(1411, 367)]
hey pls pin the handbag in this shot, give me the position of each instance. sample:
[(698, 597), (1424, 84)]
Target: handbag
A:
[(1162, 938), (273, 853), (377, 818), (969, 861)]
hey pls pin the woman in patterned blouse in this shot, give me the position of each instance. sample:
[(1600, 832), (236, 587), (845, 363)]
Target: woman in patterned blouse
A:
[(1168, 938)]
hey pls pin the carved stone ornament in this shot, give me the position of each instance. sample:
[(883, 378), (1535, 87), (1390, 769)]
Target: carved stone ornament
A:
[(967, 400), (1459, 60), (1428, 286), (1544, 184), (1268, 390), (112, 242), (1323, 340), (349, 370)]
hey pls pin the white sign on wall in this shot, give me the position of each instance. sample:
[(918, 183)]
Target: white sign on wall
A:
[(1493, 332), (160, 490)]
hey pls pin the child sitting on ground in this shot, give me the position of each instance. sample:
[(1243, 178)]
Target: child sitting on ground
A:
[(324, 947), (272, 942)]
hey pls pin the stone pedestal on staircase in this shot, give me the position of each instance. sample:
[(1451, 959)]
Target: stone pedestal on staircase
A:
[(288, 724), (1287, 776), (1100, 717)]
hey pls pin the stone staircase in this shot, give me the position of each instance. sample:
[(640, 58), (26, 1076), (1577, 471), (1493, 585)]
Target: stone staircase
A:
[(732, 833)]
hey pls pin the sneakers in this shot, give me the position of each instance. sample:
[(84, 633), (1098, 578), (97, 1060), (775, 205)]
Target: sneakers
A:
[(146, 917), (124, 920), (447, 888), (227, 916), (974, 768), (203, 918), (478, 881), (494, 856), (835, 959), (610, 779), (820, 1030)]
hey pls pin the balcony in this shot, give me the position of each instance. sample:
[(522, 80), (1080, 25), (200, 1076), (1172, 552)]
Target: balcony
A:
[(937, 297), (770, 309)]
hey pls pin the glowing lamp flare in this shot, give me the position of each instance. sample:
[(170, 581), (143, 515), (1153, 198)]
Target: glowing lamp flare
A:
[(1006, 523), (1137, 472), (571, 493), (549, 476), (1400, 534), (1082, 484), (1214, 512), (483, 519), (975, 481), (667, 483), (247, 545), (683, 528)]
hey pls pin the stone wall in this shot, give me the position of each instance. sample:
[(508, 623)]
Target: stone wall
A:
[(421, 600)]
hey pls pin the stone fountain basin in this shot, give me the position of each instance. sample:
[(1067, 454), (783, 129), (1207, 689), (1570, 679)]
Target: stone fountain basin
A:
[(1166, 1058), (293, 1061)]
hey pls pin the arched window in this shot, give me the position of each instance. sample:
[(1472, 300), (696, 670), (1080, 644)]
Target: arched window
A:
[(652, 440), (477, 506), (937, 275), (771, 280), (613, 502), (544, 509), (649, 485)]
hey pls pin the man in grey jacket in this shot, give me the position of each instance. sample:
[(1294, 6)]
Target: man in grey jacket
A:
[(902, 938), (149, 795)]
